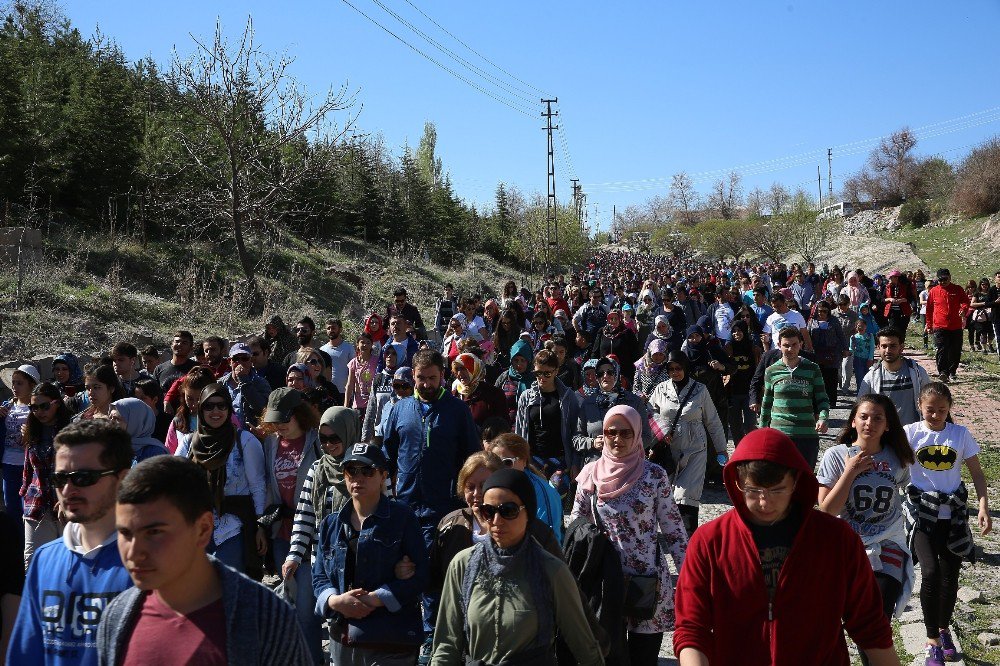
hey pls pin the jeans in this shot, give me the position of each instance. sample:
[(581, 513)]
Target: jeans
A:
[(742, 421), (846, 372), (860, 370), (37, 533), (230, 552), (12, 479), (809, 448), (949, 350), (305, 600), (644, 649)]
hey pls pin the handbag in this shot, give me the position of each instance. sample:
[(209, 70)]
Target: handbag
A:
[(642, 591), (661, 446)]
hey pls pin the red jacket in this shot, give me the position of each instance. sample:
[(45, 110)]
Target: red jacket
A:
[(826, 584), (900, 290), (946, 306)]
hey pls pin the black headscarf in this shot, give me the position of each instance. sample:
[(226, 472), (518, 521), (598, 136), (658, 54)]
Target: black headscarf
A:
[(211, 447)]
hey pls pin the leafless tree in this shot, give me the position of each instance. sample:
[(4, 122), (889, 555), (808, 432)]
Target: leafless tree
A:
[(683, 198), (726, 196), (777, 198), (756, 203), (250, 132), (893, 161)]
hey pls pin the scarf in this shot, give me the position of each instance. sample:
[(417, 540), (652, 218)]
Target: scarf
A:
[(608, 399), (476, 371), (211, 447), (590, 390), (140, 421), (523, 379), (378, 336), (71, 361), (656, 346), (611, 476), (309, 382), (329, 475), (492, 568), (697, 354)]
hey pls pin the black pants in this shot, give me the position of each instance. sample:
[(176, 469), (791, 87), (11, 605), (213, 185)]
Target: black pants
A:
[(689, 516), (897, 321), (644, 649), (809, 448), (831, 377), (949, 350), (889, 588), (939, 569)]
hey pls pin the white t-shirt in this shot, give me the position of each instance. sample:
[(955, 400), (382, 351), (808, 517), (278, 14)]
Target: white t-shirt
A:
[(874, 503), (724, 322), (792, 317), (939, 457), (340, 356)]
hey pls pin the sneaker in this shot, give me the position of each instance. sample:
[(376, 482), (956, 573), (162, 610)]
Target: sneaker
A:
[(948, 646), (935, 656), (426, 650), (943, 378)]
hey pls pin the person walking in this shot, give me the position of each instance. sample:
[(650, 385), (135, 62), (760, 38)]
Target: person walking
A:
[(946, 306)]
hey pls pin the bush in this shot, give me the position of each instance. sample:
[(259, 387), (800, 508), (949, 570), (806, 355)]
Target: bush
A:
[(977, 190), (915, 212)]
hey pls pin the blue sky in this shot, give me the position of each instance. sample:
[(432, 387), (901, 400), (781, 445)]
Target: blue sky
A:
[(646, 89)]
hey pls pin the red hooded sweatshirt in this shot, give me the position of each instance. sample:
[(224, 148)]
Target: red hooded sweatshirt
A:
[(826, 583)]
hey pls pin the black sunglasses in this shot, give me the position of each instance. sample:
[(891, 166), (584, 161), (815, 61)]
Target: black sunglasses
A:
[(545, 373), (360, 470), (80, 478), (507, 510), (401, 386), (214, 407), (329, 439), (41, 406), (508, 462)]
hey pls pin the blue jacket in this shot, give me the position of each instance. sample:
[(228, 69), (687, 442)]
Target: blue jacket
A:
[(386, 536), (427, 443), (549, 503), (65, 595), (260, 628)]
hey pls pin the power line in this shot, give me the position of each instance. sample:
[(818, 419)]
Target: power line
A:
[(465, 63), (485, 59), (444, 67)]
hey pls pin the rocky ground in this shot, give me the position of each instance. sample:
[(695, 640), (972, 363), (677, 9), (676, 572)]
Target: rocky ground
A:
[(976, 624)]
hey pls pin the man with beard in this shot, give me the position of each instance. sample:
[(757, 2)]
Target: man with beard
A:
[(304, 332), (180, 361), (898, 378), (401, 308), (72, 580), (340, 352), (213, 346), (427, 438)]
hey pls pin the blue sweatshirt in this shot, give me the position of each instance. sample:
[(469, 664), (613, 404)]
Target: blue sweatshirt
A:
[(65, 594)]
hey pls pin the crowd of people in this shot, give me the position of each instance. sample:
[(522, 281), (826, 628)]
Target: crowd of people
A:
[(505, 486)]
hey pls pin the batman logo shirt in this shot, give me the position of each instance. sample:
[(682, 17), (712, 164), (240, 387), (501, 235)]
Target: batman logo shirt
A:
[(937, 457)]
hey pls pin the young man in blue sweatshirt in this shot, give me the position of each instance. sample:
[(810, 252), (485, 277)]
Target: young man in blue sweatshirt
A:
[(187, 607), (71, 581)]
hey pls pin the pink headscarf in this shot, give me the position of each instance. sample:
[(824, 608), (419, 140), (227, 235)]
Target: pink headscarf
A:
[(610, 475)]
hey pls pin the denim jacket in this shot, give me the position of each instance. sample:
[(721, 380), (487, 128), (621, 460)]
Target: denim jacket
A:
[(386, 536)]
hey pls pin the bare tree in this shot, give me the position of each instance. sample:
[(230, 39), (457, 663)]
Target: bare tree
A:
[(804, 234), (756, 203), (683, 198), (894, 162), (777, 198), (768, 239), (726, 196), (248, 126)]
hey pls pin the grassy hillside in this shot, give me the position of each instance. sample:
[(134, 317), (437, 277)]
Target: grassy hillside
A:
[(86, 293), (968, 247)]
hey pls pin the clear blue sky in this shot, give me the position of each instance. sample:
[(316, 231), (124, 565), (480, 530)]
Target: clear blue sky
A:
[(645, 89)]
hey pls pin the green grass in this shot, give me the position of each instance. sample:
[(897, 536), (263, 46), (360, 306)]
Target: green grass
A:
[(958, 246)]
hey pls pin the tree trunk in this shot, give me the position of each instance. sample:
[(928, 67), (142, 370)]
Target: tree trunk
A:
[(253, 303)]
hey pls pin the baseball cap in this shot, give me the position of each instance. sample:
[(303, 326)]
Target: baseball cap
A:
[(366, 454), (403, 374), (238, 348), (281, 404), (894, 273)]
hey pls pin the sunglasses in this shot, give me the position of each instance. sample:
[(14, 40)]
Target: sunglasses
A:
[(366, 471), (241, 358), (545, 373), (214, 407), (329, 439), (607, 373), (314, 361), (80, 478), (508, 462), (507, 510), (401, 386), (41, 406), (615, 433)]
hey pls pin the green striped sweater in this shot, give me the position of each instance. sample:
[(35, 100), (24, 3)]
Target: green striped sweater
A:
[(793, 398)]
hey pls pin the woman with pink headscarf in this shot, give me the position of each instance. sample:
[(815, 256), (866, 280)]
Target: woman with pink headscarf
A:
[(855, 291), (633, 496)]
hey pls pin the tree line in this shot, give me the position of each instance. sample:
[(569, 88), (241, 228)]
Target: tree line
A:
[(223, 143)]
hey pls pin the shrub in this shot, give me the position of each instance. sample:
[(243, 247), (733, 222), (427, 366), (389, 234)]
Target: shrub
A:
[(977, 190), (915, 212)]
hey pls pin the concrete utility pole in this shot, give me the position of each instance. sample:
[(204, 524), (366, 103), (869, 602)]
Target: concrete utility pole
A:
[(829, 176), (551, 218), (576, 196), (819, 185)]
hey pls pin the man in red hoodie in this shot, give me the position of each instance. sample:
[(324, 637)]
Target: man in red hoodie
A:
[(946, 307), (774, 580)]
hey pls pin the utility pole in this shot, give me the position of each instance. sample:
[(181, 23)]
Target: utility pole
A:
[(829, 176), (576, 196), (819, 185), (551, 219)]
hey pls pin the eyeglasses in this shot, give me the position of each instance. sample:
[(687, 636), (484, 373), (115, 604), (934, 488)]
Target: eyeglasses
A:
[(314, 361), (241, 358), (303, 329), (545, 373), (765, 493), (41, 406), (401, 386), (508, 462), (507, 510), (80, 478), (674, 368), (607, 373), (214, 407), (616, 433), (329, 439), (367, 471)]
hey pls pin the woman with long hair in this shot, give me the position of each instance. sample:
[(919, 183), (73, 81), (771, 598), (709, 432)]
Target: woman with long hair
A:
[(13, 414), (48, 415), (186, 418), (505, 334), (861, 479), (103, 388)]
